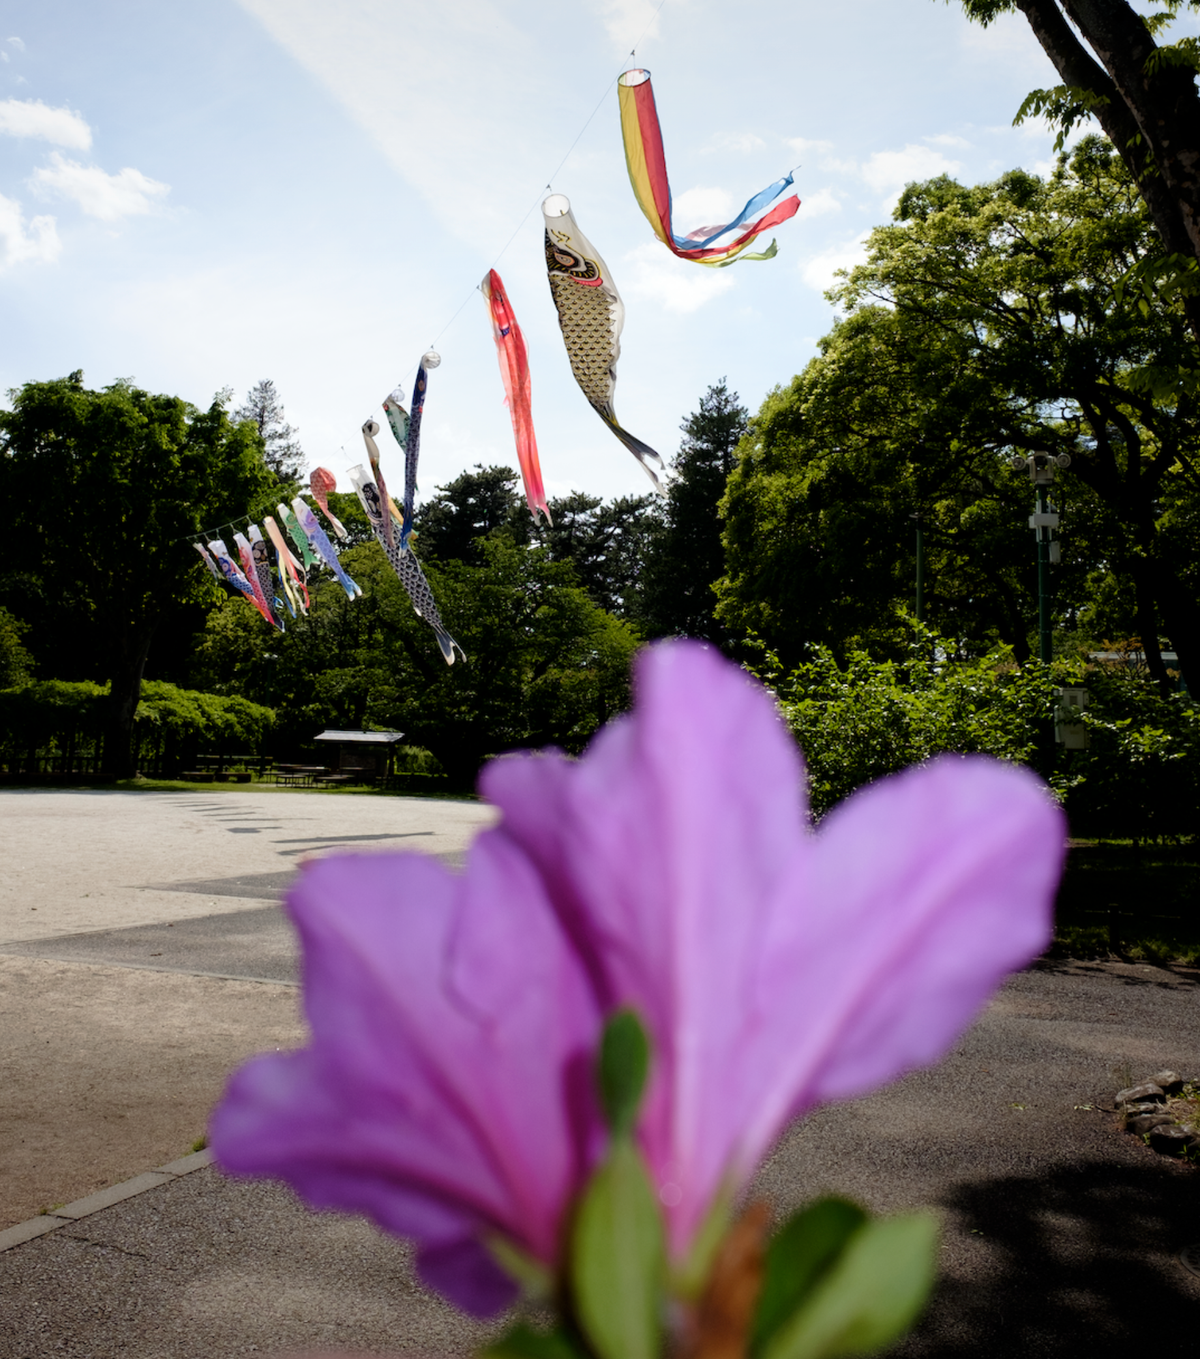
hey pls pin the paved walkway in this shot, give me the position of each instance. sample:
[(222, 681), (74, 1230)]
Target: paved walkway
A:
[(1061, 1236)]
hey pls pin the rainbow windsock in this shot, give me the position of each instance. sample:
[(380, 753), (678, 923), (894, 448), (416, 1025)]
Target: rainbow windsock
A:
[(648, 174)]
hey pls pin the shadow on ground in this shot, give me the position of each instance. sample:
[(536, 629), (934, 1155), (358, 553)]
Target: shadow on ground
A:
[(1083, 1260)]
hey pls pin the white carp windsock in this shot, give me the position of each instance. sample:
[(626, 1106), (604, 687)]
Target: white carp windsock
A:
[(369, 431), (592, 316), (262, 565), (207, 558), (324, 548), (401, 559)]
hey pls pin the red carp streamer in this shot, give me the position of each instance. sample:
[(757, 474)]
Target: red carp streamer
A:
[(514, 369)]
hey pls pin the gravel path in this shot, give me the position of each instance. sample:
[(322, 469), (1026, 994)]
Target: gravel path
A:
[(1062, 1237)]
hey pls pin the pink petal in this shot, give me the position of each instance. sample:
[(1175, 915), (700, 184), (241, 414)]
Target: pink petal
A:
[(775, 968), (662, 850), (924, 891), (444, 1092)]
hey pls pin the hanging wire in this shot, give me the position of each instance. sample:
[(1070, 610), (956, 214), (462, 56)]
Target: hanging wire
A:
[(201, 537), (549, 183)]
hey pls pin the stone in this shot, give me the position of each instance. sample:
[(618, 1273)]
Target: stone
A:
[(1148, 1122), (1147, 1108), (1170, 1081), (1136, 1094), (1172, 1138)]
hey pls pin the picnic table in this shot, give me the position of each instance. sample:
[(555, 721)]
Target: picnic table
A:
[(299, 774)]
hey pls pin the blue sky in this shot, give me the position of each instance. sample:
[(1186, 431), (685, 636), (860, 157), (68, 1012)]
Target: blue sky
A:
[(200, 196)]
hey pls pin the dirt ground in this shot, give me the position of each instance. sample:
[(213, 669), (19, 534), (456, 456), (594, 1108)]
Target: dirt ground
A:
[(108, 1072)]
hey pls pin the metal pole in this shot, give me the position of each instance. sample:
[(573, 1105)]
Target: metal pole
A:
[(920, 572), (1045, 649)]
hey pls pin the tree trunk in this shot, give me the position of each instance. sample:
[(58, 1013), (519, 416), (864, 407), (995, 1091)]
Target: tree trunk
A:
[(125, 691), (1153, 121)]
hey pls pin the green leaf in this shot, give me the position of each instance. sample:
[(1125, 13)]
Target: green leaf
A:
[(535, 1279), (801, 1251), (618, 1258), (870, 1296), (523, 1342), (624, 1062), (689, 1276)]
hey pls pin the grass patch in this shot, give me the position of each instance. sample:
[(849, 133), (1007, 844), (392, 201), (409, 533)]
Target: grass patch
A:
[(1127, 900), (200, 1144)]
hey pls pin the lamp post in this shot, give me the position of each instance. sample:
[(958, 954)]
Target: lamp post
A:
[(1042, 468), (920, 568)]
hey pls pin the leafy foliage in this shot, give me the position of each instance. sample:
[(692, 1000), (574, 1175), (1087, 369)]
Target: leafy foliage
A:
[(685, 557), (987, 322), (47, 718), (281, 449), (545, 664), (104, 491)]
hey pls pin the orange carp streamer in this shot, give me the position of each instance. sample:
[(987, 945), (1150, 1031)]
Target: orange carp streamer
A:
[(514, 369)]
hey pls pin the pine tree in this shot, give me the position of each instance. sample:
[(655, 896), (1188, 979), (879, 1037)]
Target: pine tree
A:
[(282, 451), (685, 557)]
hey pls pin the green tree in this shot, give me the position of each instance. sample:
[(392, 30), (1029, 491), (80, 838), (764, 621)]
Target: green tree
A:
[(105, 489), (544, 665), (606, 544), (684, 555), (987, 322), (1142, 94), (281, 449), (15, 661)]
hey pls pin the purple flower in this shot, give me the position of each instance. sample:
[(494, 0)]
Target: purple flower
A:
[(446, 1091)]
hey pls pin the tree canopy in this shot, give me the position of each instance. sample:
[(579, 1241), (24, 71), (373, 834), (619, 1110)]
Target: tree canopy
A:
[(1143, 94), (987, 322), (684, 554), (104, 490)]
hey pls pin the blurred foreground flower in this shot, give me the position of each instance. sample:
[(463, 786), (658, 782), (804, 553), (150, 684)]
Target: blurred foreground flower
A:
[(668, 879)]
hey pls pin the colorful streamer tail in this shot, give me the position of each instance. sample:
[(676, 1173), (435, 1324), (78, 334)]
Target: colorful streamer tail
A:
[(647, 164), (514, 370)]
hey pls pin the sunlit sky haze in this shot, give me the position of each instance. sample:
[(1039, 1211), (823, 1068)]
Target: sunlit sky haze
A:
[(200, 196)]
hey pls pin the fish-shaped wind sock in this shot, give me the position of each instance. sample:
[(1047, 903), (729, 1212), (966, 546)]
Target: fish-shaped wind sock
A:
[(647, 166), (397, 416), (325, 549), (404, 563), (320, 483), (262, 565), (235, 577), (291, 573), (369, 430), (514, 371), (298, 536), (207, 558), (264, 597), (592, 315), (412, 442)]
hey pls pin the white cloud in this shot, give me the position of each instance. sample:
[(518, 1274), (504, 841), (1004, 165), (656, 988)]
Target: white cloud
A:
[(819, 271), (1007, 40), (743, 142), (32, 118), (129, 193), (948, 139), (630, 22), (700, 207), (18, 44), (678, 285), (887, 172), (818, 203), (804, 147), (36, 243)]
